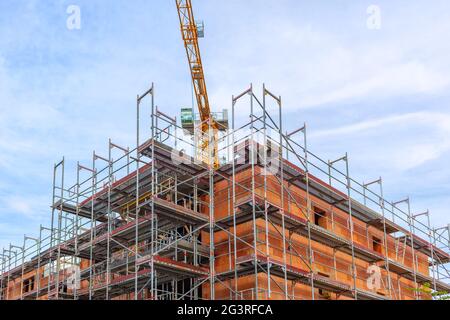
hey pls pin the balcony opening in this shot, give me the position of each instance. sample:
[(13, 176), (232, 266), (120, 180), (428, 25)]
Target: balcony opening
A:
[(28, 285), (376, 245), (320, 218)]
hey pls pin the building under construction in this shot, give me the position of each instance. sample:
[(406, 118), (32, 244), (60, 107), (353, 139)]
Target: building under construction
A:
[(223, 207), (272, 221)]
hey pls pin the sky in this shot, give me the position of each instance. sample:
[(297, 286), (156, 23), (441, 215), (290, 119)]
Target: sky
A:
[(380, 94)]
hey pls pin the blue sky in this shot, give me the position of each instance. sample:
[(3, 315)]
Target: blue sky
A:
[(382, 95)]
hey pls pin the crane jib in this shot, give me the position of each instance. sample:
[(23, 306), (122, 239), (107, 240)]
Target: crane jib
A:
[(190, 34)]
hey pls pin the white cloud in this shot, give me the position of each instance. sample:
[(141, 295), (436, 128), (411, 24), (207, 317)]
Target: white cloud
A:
[(398, 143), (440, 120), (312, 66), (34, 206), (390, 81)]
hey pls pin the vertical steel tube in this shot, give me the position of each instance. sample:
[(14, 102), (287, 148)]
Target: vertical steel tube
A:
[(233, 186), (136, 220), (92, 261), (38, 276), (108, 237), (255, 235), (212, 275), (283, 226), (266, 204), (414, 261), (386, 243), (58, 261), (308, 211), (351, 226), (154, 229)]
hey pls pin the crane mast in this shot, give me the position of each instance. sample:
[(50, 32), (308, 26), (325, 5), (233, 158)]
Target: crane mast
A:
[(208, 126)]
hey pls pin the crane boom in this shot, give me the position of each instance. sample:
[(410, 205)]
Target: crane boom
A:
[(190, 37)]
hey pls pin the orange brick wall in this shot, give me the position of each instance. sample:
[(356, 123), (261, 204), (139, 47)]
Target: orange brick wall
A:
[(334, 219)]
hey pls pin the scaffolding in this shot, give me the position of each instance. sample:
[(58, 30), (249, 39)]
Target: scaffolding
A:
[(274, 221)]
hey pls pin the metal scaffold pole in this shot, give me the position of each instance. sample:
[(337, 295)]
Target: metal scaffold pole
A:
[(254, 159), (385, 238), (430, 238), (52, 240), (92, 230), (10, 252), (137, 195), (23, 268), (411, 235), (235, 161), (233, 196), (136, 219), (3, 258), (308, 209), (108, 213), (38, 277), (265, 172), (212, 275), (154, 231), (351, 226), (283, 224), (25, 239), (60, 212), (77, 223)]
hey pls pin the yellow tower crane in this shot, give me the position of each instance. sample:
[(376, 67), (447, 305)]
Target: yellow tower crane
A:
[(191, 31)]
